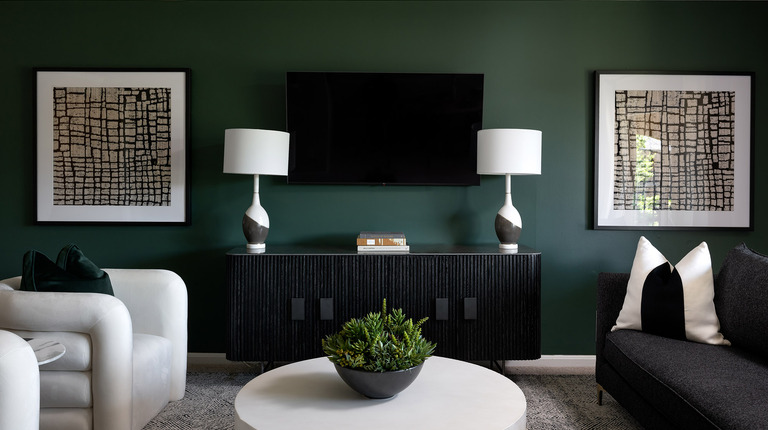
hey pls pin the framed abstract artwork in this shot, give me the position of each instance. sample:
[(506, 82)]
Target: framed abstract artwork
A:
[(112, 146), (673, 150)]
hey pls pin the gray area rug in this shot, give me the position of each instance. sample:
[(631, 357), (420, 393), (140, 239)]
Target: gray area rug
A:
[(554, 402), (570, 402)]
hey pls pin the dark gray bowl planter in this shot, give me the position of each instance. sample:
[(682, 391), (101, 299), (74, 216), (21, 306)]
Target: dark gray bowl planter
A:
[(378, 385)]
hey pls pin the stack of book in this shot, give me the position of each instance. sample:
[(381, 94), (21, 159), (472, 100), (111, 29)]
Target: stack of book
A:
[(381, 241)]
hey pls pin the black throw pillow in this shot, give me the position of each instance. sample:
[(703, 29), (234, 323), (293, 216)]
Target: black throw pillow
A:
[(72, 272)]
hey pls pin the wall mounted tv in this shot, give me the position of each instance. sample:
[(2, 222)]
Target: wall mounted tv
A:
[(383, 128)]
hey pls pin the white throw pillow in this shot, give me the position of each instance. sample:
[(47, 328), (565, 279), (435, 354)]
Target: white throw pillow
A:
[(668, 301)]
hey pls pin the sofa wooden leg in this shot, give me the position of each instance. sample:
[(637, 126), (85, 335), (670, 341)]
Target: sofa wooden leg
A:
[(600, 395)]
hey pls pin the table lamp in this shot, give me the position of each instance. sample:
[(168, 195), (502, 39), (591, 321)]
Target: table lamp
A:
[(256, 152), (508, 151)]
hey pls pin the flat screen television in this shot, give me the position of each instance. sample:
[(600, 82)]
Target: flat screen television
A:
[(383, 128)]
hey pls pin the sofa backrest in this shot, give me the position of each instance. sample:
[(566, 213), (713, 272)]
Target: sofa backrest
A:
[(741, 299), (611, 289)]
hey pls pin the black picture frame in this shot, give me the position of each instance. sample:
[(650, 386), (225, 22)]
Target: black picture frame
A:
[(112, 146), (673, 150)]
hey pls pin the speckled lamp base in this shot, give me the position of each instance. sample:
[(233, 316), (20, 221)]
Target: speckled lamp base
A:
[(508, 225), (255, 233), (507, 232), (255, 226)]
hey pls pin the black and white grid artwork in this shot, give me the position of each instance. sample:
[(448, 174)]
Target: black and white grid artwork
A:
[(111, 146), (674, 150)]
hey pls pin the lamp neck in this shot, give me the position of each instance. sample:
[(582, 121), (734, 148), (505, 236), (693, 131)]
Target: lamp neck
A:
[(256, 201), (508, 192)]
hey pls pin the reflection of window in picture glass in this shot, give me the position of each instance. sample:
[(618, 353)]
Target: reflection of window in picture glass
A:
[(646, 188)]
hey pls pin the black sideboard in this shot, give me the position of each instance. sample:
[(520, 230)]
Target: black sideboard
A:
[(482, 304)]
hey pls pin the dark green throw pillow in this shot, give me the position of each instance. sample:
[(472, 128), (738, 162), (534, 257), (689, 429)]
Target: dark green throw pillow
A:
[(72, 272)]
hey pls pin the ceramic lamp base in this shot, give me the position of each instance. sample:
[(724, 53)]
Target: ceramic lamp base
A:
[(255, 230), (255, 223), (508, 225)]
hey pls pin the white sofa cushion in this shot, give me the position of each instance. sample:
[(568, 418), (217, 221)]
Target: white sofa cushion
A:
[(64, 389), (66, 418)]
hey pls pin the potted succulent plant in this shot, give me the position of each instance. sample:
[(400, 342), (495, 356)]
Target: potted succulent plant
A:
[(380, 354)]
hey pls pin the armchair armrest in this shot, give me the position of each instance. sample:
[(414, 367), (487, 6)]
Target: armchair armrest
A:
[(105, 319), (19, 384), (157, 302)]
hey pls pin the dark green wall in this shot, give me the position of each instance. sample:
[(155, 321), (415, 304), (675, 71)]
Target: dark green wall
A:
[(538, 59)]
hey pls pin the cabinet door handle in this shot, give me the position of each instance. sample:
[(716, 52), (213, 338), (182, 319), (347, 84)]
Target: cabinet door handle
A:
[(297, 309), (470, 308), (441, 309), (326, 309)]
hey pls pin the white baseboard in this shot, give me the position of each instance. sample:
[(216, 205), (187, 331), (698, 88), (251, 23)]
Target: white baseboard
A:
[(207, 358), (553, 365), (210, 361), (546, 365)]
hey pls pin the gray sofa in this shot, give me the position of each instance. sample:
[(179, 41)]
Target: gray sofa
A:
[(672, 384)]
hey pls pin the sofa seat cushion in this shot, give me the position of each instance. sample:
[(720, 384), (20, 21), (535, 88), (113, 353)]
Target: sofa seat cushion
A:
[(707, 386), (66, 419), (62, 389)]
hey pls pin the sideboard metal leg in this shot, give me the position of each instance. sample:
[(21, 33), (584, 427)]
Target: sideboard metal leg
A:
[(499, 365)]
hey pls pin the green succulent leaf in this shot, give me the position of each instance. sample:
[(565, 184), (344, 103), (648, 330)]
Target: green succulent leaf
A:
[(379, 342)]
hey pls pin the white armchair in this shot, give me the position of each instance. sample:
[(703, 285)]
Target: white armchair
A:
[(19, 384), (126, 355)]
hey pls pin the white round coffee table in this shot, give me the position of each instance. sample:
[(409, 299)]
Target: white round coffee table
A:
[(448, 394)]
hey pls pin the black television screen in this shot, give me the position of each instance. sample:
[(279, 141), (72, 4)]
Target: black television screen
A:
[(383, 128)]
